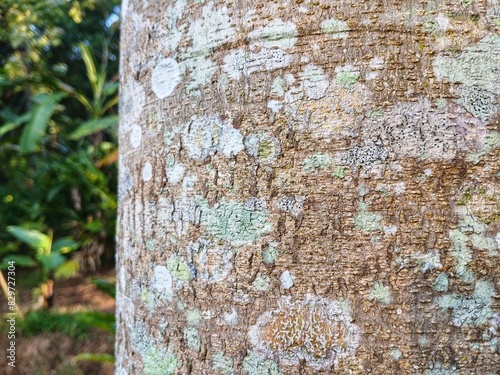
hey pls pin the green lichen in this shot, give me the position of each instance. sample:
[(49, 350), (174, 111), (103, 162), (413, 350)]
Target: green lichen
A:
[(466, 3), (158, 361), (179, 268), (269, 254), (237, 223), (428, 261), (316, 163), (254, 364), (470, 231), (346, 79), (462, 254), (441, 283), (336, 29), (192, 338), (267, 150), (381, 293), (261, 283), (470, 310), (223, 364), (339, 173), (479, 241), (491, 142), (465, 197), (278, 86), (150, 245), (366, 221), (476, 68), (193, 317)]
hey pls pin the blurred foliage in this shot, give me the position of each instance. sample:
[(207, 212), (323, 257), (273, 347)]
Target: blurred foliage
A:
[(106, 286), (77, 325), (58, 143)]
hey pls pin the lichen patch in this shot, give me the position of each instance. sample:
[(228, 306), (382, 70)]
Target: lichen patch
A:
[(205, 135), (315, 329), (277, 33), (166, 76)]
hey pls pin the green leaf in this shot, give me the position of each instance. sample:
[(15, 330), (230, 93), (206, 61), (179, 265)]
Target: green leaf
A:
[(67, 270), (101, 320), (51, 261), (106, 286), (93, 357), (65, 245), (43, 110), (33, 238), (93, 126), (88, 59), (19, 260), (14, 124), (94, 226), (110, 88)]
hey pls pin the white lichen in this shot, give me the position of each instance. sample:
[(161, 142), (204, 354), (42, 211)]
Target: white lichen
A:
[(147, 172), (213, 262), (161, 283), (335, 29), (287, 279), (276, 34), (165, 77), (175, 173), (206, 135), (241, 63), (231, 318), (135, 136), (314, 81), (211, 30)]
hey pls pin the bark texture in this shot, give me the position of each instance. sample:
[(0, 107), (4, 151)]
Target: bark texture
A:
[(309, 187)]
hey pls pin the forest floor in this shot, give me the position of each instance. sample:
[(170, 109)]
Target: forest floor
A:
[(53, 353)]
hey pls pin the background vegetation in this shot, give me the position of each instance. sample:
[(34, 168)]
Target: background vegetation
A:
[(58, 144)]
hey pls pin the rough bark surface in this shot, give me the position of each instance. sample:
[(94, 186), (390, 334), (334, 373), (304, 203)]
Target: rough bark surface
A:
[(309, 187)]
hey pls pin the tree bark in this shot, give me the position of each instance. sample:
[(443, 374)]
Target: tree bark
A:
[(309, 187)]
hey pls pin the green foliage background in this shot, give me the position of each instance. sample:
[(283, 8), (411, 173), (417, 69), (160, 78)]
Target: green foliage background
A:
[(58, 118)]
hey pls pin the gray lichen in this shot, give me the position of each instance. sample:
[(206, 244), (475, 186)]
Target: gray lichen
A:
[(470, 310), (237, 223)]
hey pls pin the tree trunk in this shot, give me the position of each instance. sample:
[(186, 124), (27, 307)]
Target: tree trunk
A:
[(309, 187)]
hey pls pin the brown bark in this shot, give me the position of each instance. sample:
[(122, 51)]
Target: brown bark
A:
[(309, 187)]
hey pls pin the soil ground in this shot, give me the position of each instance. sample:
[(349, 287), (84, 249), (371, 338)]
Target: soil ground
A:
[(53, 353)]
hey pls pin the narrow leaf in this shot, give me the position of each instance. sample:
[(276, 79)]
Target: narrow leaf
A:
[(42, 112), (93, 126), (14, 124), (89, 64)]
